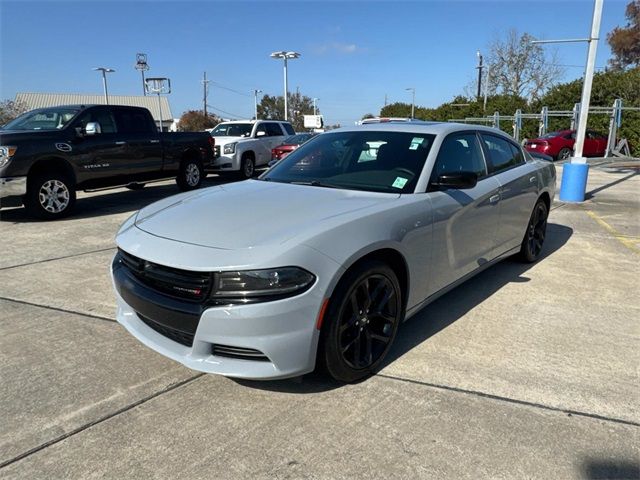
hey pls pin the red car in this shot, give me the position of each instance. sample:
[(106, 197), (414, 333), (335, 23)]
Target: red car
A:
[(288, 146), (559, 145)]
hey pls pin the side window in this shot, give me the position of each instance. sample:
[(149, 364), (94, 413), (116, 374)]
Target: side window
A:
[(105, 119), (460, 152), (517, 153), (132, 121), (288, 128), (274, 130), (261, 128), (501, 153)]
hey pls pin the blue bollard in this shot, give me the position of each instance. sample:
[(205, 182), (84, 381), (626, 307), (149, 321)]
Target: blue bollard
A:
[(574, 182)]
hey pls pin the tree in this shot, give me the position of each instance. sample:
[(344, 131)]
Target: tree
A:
[(272, 108), (10, 109), (625, 42), (368, 115), (195, 121), (516, 67)]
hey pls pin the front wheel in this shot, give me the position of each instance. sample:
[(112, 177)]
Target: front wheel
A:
[(50, 195), (361, 322), (533, 240), (190, 175), (248, 167)]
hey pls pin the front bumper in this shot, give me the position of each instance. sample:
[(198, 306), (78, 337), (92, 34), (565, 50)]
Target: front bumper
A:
[(283, 331), (13, 186), (225, 163)]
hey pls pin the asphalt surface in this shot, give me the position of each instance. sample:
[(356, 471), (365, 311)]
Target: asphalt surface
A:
[(525, 371)]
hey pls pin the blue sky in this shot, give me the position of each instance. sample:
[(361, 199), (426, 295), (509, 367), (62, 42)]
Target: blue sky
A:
[(353, 53)]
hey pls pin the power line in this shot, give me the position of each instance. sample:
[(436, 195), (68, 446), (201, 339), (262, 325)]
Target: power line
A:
[(230, 89), (223, 111)]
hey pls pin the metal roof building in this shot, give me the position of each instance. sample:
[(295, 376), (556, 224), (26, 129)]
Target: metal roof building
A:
[(42, 100)]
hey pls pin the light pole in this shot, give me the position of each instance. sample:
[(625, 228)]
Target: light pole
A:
[(143, 66), (574, 174), (314, 105), (104, 71), (479, 67), (255, 96), (413, 100), (285, 56)]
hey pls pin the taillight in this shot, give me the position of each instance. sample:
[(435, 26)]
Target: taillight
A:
[(212, 143)]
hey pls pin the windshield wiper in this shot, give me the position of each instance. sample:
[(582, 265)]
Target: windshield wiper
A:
[(316, 183)]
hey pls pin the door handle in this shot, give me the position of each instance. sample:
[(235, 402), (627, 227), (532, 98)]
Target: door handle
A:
[(533, 179), (154, 141), (121, 143), (494, 198)]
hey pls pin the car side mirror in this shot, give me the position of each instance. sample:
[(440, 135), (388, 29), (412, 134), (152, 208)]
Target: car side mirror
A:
[(457, 180), (92, 128), (260, 134)]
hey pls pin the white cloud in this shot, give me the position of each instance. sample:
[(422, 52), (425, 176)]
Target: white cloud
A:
[(346, 48)]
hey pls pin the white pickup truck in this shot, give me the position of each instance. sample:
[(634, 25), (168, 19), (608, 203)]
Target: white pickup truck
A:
[(241, 146)]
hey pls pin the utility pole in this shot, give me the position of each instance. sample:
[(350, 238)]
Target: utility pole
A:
[(314, 105), (205, 84), (255, 98), (479, 67), (142, 66), (385, 99)]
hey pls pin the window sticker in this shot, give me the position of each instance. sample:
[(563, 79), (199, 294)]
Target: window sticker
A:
[(416, 142), (400, 182)]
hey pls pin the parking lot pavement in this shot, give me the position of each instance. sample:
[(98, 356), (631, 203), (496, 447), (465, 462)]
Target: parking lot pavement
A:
[(523, 372)]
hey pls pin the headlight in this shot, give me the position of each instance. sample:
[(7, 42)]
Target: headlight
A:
[(260, 285), (6, 152), (230, 147)]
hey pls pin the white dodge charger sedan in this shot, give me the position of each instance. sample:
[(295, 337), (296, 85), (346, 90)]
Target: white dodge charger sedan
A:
[(318, 261)]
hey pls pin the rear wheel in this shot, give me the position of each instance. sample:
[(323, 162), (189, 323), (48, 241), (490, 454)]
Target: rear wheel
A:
[(50, 195), (361, 322), (536, 231), (190, 175), (564, 153)]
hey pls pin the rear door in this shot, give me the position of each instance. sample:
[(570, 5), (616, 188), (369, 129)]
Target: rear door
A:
[(465, 221), (518, 188), (141, 140)]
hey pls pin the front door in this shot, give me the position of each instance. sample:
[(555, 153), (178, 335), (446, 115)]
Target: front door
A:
[(465, 222)]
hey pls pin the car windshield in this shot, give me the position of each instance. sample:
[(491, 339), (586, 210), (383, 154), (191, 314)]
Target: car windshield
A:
[(374, 161), (551, 135), (232, 130), (297, 139), (43, 119)]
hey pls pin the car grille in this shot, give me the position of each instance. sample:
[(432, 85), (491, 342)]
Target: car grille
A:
[(182, 284), (183, 338), (239, 353)]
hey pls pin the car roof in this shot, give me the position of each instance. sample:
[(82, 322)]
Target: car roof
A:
[(434, 128), (254, 121)]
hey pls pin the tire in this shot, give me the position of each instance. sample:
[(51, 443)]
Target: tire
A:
[(135, 186), (247, 166), (190, 175), (50, 195), (361, 322), (536, 231), (564, 153)]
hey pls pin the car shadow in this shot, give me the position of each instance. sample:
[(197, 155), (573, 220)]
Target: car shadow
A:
[(611, 469), (436, 316), (110, 202)]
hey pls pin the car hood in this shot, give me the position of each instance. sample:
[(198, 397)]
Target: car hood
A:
[(224, 140), (252, 213)]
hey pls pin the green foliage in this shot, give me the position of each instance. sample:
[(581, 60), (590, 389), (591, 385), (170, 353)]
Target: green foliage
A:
[(272, 108), (196, 121)]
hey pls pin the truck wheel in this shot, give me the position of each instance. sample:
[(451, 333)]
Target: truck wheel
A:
[(50, 195), (248, 167), (190, 175)]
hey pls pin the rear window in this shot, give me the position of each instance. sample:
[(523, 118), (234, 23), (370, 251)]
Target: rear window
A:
[(288, 128)]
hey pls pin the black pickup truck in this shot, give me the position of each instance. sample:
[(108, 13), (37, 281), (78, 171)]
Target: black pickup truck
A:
[(46, 155)]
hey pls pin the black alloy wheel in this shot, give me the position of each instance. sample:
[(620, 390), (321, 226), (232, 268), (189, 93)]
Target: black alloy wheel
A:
[(536, 231), (362, 321), (564, 153)]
